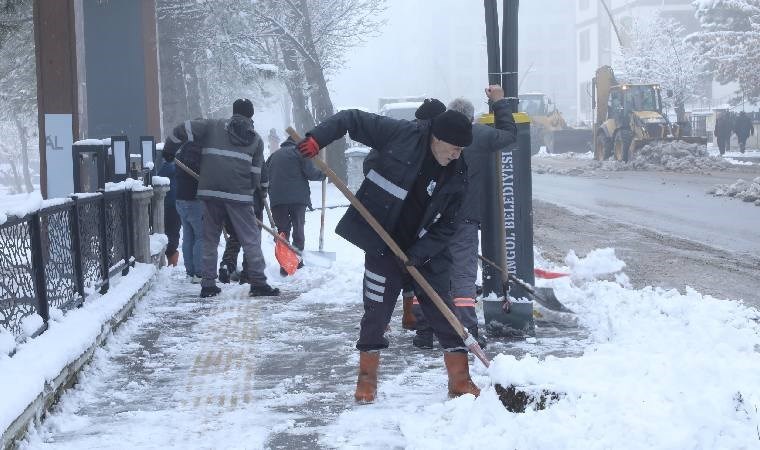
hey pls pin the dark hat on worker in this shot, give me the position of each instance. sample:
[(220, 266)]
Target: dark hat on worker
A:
[(430, 108), (243, 106), (453, 127)]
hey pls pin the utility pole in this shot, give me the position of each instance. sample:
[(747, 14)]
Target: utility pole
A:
[(507, 222)]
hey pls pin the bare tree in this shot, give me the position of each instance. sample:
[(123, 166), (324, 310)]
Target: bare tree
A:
[(309, 39), (18, 88)]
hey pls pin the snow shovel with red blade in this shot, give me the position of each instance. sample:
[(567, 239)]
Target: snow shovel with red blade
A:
[(469, 341), (285, 250)]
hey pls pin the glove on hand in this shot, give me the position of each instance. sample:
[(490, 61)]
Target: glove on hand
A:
[(308, 147), (413, 261)]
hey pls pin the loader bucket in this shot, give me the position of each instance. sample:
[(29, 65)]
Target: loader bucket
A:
[(571, 140)]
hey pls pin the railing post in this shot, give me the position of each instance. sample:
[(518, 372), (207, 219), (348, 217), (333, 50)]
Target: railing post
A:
[(104, 259), (38, 266), (140, 224), (125, 209), (157, 208), (76, 248)]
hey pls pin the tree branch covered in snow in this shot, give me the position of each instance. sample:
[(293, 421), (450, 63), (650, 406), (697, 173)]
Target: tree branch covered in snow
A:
[(656, 52), (730, 42)]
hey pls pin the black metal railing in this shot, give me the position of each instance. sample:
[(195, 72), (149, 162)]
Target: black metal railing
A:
[(58, 256)]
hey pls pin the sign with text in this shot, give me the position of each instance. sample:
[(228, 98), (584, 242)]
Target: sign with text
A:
[(58, 156)]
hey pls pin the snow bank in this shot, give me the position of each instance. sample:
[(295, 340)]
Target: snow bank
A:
[(676, 156), (661, 370), (745, 190)]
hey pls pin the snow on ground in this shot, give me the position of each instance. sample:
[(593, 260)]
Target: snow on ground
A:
[(653, 369), (748, 191), (676, 156), (543, 153)]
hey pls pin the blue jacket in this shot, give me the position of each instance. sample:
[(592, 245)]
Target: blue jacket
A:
[(169, 170)]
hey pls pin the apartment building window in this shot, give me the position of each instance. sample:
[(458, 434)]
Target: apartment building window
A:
[(583, 4), (584, 45)]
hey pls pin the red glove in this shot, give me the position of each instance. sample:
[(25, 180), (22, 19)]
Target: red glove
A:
[(309, 147)]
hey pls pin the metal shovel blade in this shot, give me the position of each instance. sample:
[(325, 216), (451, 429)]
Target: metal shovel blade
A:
[(545, 297), (318, 259), (518, 322)]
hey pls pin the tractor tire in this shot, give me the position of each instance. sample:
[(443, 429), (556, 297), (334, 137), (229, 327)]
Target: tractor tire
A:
[(603, 149), (622, 145)]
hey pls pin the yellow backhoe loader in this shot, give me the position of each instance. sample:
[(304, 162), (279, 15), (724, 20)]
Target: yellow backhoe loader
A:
[(548, 127), (629, 116)]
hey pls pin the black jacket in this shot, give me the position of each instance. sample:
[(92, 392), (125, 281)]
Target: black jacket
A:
[(479, 157), (743, 126), (401, 148), (289, 176)]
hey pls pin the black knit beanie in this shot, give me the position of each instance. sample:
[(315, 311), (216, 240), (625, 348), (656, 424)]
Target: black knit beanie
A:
[(454, 128), (244, 107), (430, 108)]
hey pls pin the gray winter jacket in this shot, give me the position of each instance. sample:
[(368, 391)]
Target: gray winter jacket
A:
[(479, 156), (232, 158), (289, 176)]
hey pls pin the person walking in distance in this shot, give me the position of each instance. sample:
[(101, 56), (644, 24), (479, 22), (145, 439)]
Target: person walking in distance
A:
[(743, 128), (486, 141), (273, 141), (723, 128), (414, 188), (231, 164), (289, 193)]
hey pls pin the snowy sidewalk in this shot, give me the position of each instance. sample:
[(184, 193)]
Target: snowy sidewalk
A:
[(636, 368)]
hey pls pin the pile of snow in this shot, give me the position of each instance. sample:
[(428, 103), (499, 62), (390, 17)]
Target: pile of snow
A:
[(661, 370), (745, 190), (130, 184), (160, 181), (543, 153), (677, 156)]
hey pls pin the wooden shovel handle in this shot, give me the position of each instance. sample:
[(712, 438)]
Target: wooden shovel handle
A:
[(439, 303)]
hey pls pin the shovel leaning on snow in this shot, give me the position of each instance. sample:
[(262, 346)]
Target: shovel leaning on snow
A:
[(469, 341), (545, 298)]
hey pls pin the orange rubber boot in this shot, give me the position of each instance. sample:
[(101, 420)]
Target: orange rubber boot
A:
[(366, 383), (408, 321), (458, 367)]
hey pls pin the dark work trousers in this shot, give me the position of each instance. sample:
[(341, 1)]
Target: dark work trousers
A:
[(742, 143), (172, 224), (724, 144), (241, 216), (290, 216), (232, 244), (464, 272), (383, 281)]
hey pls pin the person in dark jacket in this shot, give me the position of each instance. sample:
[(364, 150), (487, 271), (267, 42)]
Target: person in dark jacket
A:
[(724, 126), (172, 221), (187, 205), (414, 188), (743, 128), (486, 141), (230, 171), (289, 193)]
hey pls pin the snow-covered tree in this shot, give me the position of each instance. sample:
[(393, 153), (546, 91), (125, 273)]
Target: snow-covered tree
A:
[(308, 40), (18, 92), (656, 51), (730, 41)]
